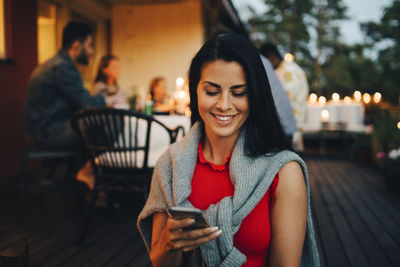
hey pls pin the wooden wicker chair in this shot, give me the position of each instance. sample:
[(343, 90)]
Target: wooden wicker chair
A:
[(118, 142)]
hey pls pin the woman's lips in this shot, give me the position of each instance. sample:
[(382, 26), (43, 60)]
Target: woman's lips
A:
[(223, 119)]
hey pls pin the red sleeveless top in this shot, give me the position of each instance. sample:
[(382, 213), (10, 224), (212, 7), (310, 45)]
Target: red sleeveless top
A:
[(210, 184)]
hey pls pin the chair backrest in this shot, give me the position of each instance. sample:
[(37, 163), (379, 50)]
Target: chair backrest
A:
[(118, 139)]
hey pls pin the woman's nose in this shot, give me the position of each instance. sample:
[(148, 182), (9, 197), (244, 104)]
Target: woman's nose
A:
[(224, 102)]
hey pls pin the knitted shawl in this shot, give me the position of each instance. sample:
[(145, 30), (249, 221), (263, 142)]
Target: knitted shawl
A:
[(251, 177)]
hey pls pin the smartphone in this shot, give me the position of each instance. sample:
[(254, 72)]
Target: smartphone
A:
[(180, 213)]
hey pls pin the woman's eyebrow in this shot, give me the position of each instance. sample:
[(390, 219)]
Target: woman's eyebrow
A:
[(219, 86), (238, 86), (212, 84)]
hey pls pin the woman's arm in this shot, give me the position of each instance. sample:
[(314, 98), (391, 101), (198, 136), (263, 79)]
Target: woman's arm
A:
[(169, 241), (288, 217)]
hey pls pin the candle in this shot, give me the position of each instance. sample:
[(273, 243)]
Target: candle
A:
[(347, 100), (324, 115)]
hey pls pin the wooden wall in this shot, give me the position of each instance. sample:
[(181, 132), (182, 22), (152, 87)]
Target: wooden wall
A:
[(155, 40), (15, 72), (14, 77)]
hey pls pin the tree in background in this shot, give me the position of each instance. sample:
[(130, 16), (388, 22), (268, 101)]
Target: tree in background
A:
[(325, 15), (285, 24), (385, 37), (333, 66), (290, 23), (347, 69)]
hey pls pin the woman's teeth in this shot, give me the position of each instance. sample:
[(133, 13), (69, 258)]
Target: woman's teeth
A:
[(223, 118)]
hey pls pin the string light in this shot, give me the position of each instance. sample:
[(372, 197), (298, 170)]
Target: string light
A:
[(357, 95), (289, 57), (335, 97), (312, 98), (321, 100), (377, 97), (366, 98)]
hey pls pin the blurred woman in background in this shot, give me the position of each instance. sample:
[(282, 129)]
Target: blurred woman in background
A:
[(106, 82), (158, 92)]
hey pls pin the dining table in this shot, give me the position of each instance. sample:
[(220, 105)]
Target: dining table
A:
[(159, 138), (351, 115)]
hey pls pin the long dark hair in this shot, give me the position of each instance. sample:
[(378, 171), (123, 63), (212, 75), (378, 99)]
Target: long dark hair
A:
[(104, 62), (264, 132)]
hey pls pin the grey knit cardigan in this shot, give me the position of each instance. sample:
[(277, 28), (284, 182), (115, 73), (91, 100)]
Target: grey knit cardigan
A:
[(251, 177)]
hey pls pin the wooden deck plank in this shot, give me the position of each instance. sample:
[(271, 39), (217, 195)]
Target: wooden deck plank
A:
[(320, 244), (98, 229), (129, 253), (141, 260), (108, 246), (21, 233), (347, 198), (356, 221), (319, 215), (372, 185), (336, 252), (382, 210), (61, 241), (375, 218)]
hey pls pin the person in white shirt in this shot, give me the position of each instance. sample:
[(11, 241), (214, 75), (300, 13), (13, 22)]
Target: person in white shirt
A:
[(295, 84)]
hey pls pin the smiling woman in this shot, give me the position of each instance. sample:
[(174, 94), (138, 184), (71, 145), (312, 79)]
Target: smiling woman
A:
[(223, 105), (236, 165)]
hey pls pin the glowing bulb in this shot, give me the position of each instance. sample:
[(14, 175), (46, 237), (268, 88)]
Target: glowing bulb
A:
[(324, 115), (357, 95), (312, 98), (347, 99), (179, 82), (321, 100), (181, 94), (335, 97), (377, 97), (398, 125), (366, 98), (289, 57)]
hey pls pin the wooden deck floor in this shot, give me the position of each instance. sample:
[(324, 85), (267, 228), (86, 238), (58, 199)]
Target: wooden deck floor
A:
[(357, 222)]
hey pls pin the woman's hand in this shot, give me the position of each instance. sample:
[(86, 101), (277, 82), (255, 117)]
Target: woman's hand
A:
[(169, 240)]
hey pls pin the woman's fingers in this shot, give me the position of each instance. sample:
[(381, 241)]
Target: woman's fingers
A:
[(187, 240), (190, 244), (194, 234), (174, 225)]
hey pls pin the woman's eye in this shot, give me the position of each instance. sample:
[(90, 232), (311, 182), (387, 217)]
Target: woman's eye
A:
[(211, 93), (239, 94)]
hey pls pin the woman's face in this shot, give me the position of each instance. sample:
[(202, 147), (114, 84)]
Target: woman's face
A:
[(222, 99), (112, 70), (159, 91)]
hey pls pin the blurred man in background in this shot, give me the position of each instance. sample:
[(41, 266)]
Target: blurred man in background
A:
[(295, 84), (56, 90)]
